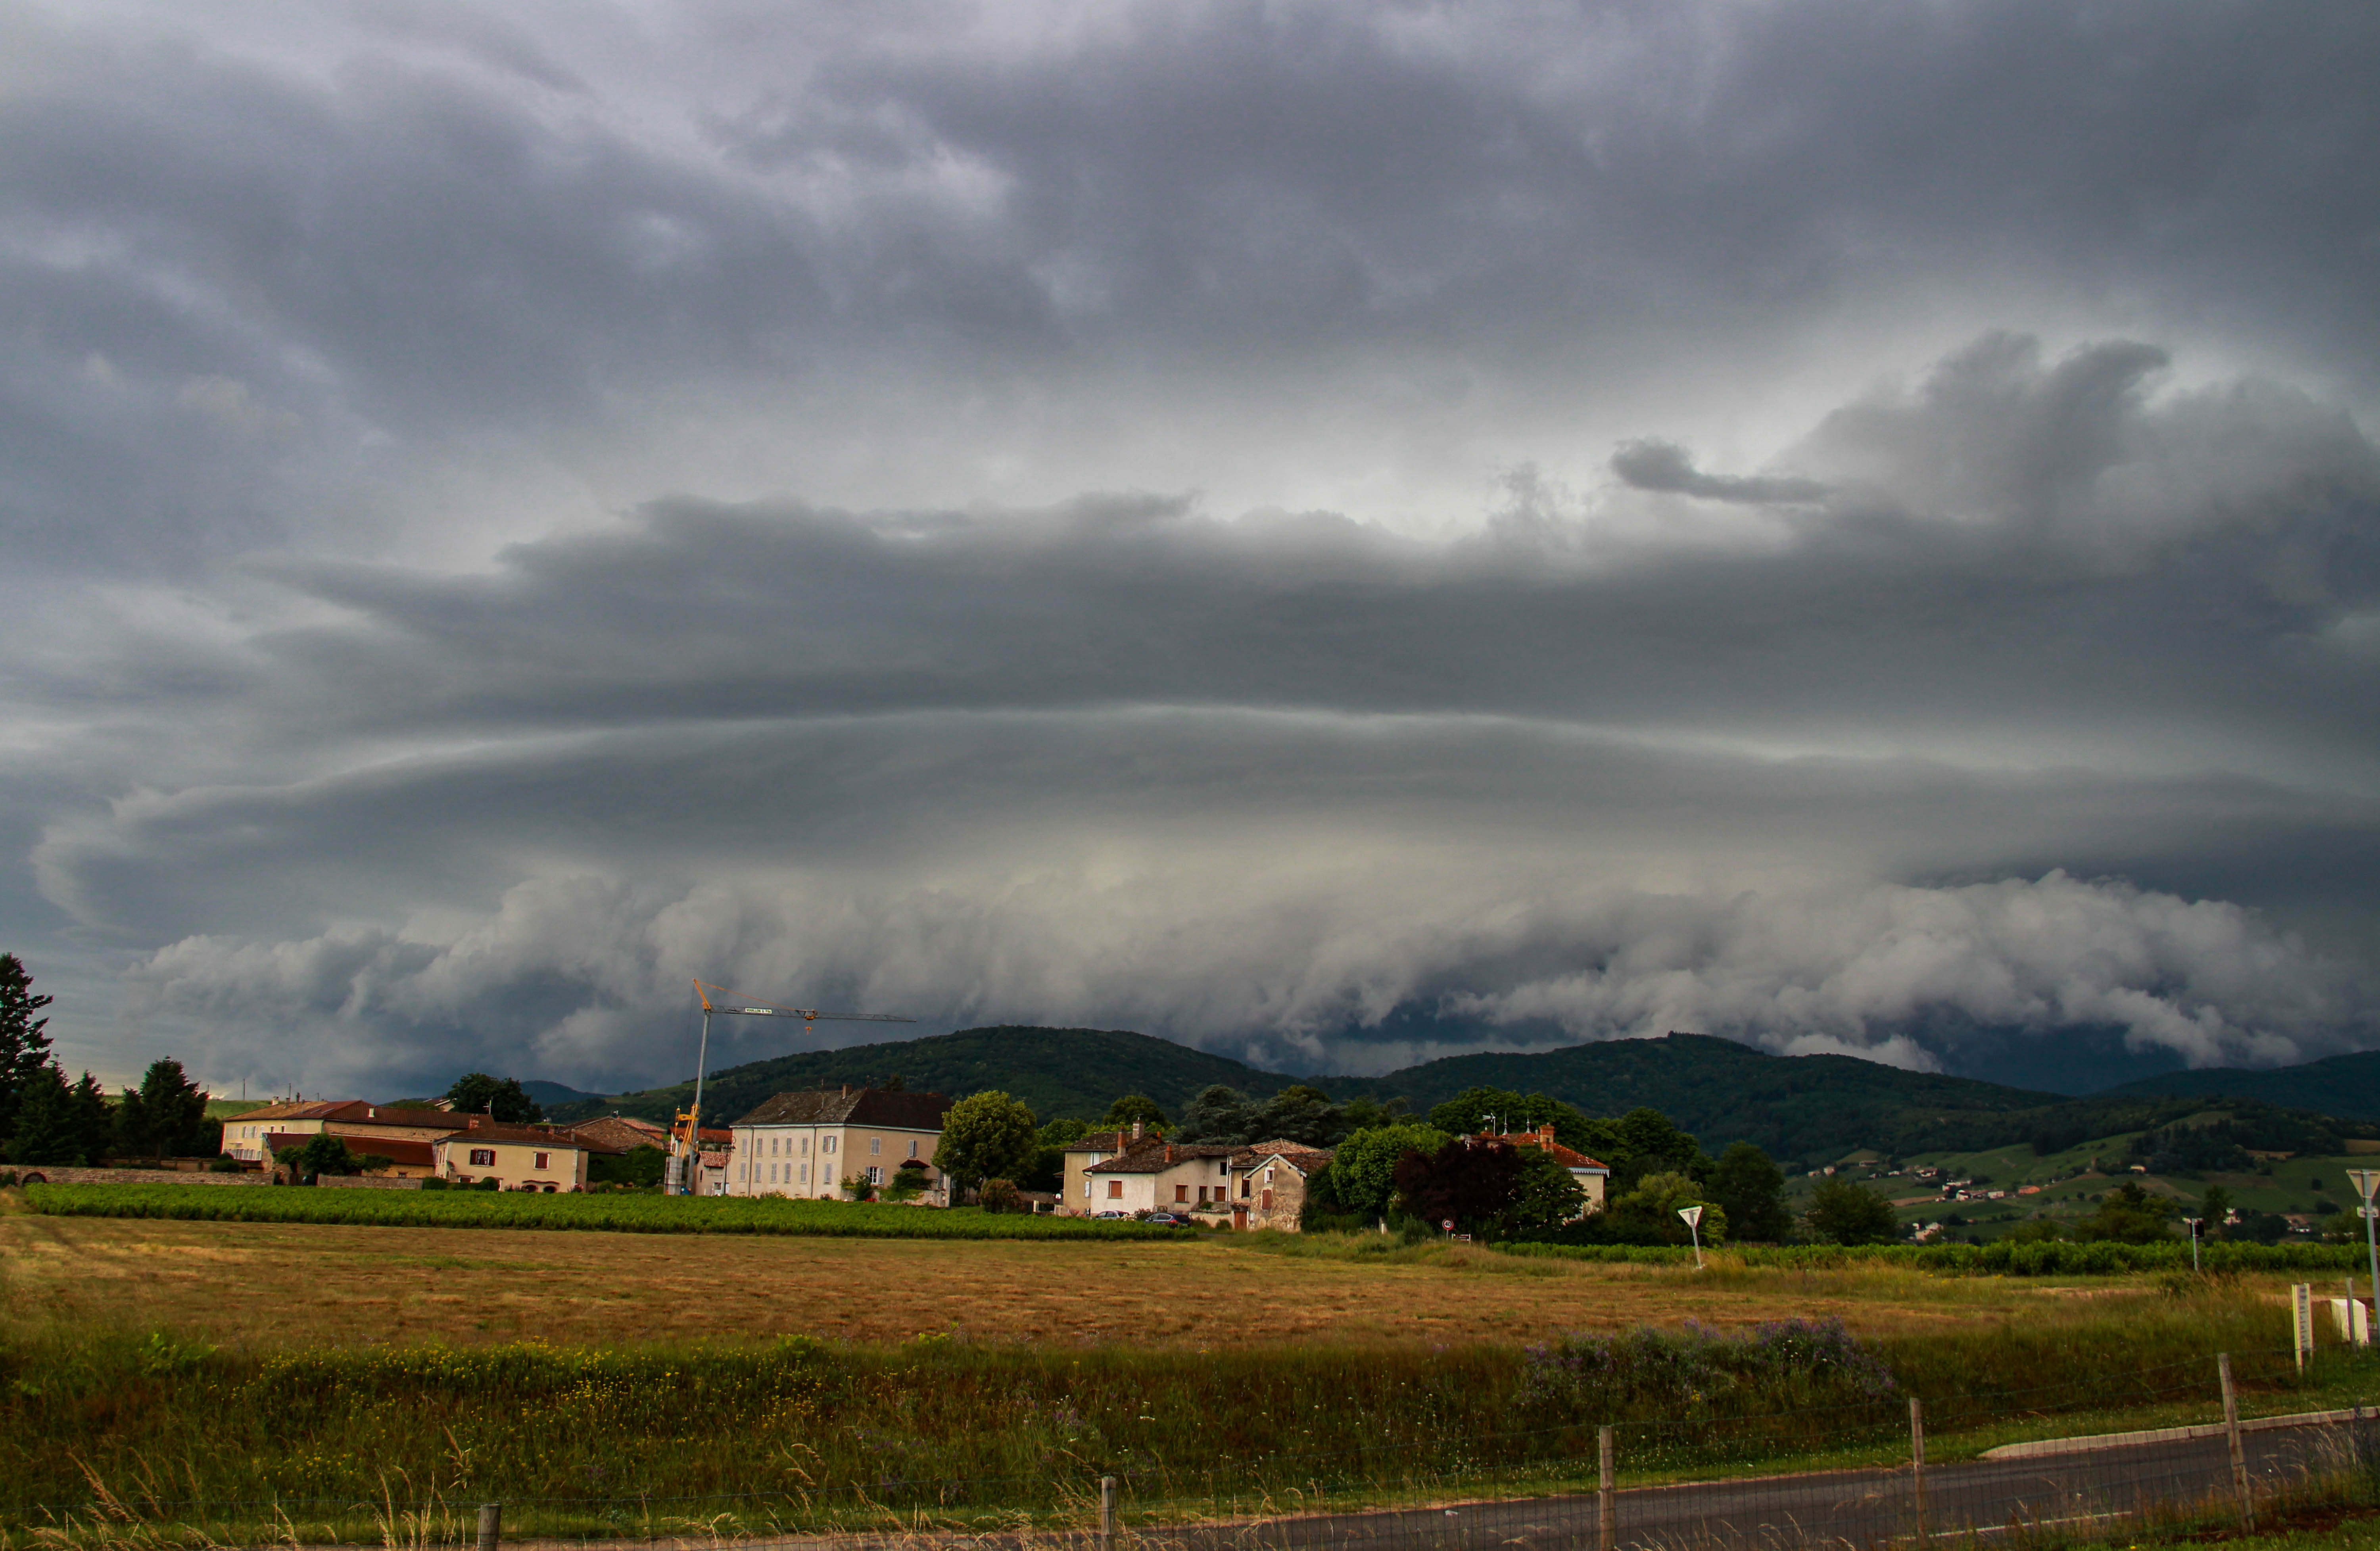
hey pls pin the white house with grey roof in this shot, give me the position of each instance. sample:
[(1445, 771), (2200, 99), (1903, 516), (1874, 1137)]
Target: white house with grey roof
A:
[(810, 1143)]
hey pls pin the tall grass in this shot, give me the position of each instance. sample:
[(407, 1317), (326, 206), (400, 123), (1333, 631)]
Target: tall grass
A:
[(799, 1433)]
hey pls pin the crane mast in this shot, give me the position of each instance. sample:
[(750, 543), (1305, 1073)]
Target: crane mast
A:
[(733, 1004)]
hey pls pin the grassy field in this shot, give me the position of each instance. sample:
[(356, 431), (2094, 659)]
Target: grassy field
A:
[(327, 1375)]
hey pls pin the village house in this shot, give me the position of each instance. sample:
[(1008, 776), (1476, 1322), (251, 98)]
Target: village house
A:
[(1272, 1177), (1074, 1180), (1593, 1177), (1153, 1175), (404, 1135), (516, 1157), (810, 1143)]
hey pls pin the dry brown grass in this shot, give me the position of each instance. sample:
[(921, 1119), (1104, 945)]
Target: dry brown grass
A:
[(278, 1284)]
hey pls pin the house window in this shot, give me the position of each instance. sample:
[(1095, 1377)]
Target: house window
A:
[(806, 1174), (913, 1149), (828, 1146), (1087, 1189), (806, 1147), (544, 1160), (772, 1146), (1116, 1190), (876, 1174), (875, 1146), (772, 1174), (1182, 1192), (1267, 1201), (484, 1157), (828, 1177), (1243, 1189)]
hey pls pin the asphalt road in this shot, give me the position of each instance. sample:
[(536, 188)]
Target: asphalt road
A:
[(1834, 1507)]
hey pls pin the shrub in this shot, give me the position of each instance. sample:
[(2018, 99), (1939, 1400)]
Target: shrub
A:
[(1001, 1195), (1700, 1372)]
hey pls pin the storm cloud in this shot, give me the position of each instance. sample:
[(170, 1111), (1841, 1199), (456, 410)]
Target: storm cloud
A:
[(1840, 526)]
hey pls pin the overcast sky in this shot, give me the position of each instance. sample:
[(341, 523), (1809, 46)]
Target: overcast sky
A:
[(1333, 532)]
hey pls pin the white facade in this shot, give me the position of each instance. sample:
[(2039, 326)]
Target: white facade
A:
[(812, 1162)]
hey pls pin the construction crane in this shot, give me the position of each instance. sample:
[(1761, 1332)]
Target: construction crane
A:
[(734, 1004)]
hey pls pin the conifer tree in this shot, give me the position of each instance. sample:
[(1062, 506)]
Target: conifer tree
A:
[(45, 1121), (24, 1049)]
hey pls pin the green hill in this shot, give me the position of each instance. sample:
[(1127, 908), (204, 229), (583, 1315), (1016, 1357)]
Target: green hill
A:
[(1076, 1072), (2348, 1085), (1802, 1109)]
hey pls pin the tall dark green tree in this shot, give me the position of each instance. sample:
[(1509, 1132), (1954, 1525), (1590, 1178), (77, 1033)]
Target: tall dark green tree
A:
[(166, 1116), (1750, 1186), (1299, 1114), (1220, 1115), (1131, 1108), (478, 1094), (24, 1049), (1843, 1212), (94, 1118), (47, 1131)]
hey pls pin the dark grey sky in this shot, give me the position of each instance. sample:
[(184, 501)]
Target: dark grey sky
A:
[(1847, 526)]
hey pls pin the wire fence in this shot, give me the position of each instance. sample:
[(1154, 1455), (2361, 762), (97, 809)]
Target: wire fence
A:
[(2002, 1466)]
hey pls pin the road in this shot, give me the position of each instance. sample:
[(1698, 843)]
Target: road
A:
[(1841, 1509)]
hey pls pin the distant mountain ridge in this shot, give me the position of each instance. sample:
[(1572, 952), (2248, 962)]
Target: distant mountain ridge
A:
[(1802, 1109), (2347, 1086)]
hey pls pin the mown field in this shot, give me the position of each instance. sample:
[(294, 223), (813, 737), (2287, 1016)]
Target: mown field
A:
[(356, 1382)]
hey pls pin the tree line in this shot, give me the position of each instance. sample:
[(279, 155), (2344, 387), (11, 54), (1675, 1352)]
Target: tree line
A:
[(44, 1118), (1412, 1174)]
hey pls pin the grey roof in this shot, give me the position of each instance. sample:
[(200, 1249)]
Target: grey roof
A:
[(852, 1107)]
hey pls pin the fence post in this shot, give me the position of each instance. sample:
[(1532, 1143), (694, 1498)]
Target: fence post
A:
[(1606, 1509), (2231, 1432), (1917, 1458), (492, 1525), (1107, 1512)]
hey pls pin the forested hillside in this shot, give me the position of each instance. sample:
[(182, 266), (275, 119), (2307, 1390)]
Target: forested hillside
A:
[(1801, 1109), (1073, 1073), (2343, 1085)]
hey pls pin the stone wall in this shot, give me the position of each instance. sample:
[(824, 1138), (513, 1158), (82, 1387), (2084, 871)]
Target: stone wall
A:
[(59, 1174)]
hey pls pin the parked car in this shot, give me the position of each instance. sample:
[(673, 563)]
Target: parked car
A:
[(1109, 1216), (1167, 1219)]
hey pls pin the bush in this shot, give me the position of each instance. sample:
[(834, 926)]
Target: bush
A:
[(433, 1183), (1700, 1372), (1001, 1195)]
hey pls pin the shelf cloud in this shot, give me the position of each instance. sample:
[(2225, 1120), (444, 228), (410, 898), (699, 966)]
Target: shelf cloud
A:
[(1335, 533)]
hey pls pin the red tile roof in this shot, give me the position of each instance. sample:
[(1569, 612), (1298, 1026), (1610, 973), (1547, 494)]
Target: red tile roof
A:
[(1303, 1159), (1543, 1137), (1153, 1154)]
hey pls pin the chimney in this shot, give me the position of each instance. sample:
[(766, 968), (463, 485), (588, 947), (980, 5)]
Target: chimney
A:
[(1169, 1151), (1136, 1131)]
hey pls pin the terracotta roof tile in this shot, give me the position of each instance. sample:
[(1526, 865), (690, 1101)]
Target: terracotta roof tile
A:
[(1153, 1154)]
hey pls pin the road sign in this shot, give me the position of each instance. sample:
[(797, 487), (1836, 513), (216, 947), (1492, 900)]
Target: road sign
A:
[(1694, 1215)]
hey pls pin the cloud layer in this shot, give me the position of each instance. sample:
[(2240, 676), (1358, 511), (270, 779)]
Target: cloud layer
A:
[(1842, 526)]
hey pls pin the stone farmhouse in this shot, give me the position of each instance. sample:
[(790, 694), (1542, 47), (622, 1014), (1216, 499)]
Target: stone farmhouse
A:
[(1272, 1177), (810, 1143)]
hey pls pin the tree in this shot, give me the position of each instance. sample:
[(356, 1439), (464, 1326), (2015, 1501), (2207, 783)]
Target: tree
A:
[(478, 1094), (1220, 1115), (1648, 1214), (1645, 1142), (166, 1116), (319, 1155), (1299, 1114), (1365, 1166), (24, 1049), (47, 1129), (1465, 1182), (1047, 1170), (94, 1118), (1135, 1107), (1750, 1186), (1498, 1110), (908, 1181), (1545, 1196), (2214, 1207), (1842, 1211), (2129, 1214), (985, 1136), (642, 1165)]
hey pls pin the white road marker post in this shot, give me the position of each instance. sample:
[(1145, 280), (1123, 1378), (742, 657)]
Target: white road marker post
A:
[(2367, 1181), (1694, 1215), (2302, 1321)]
